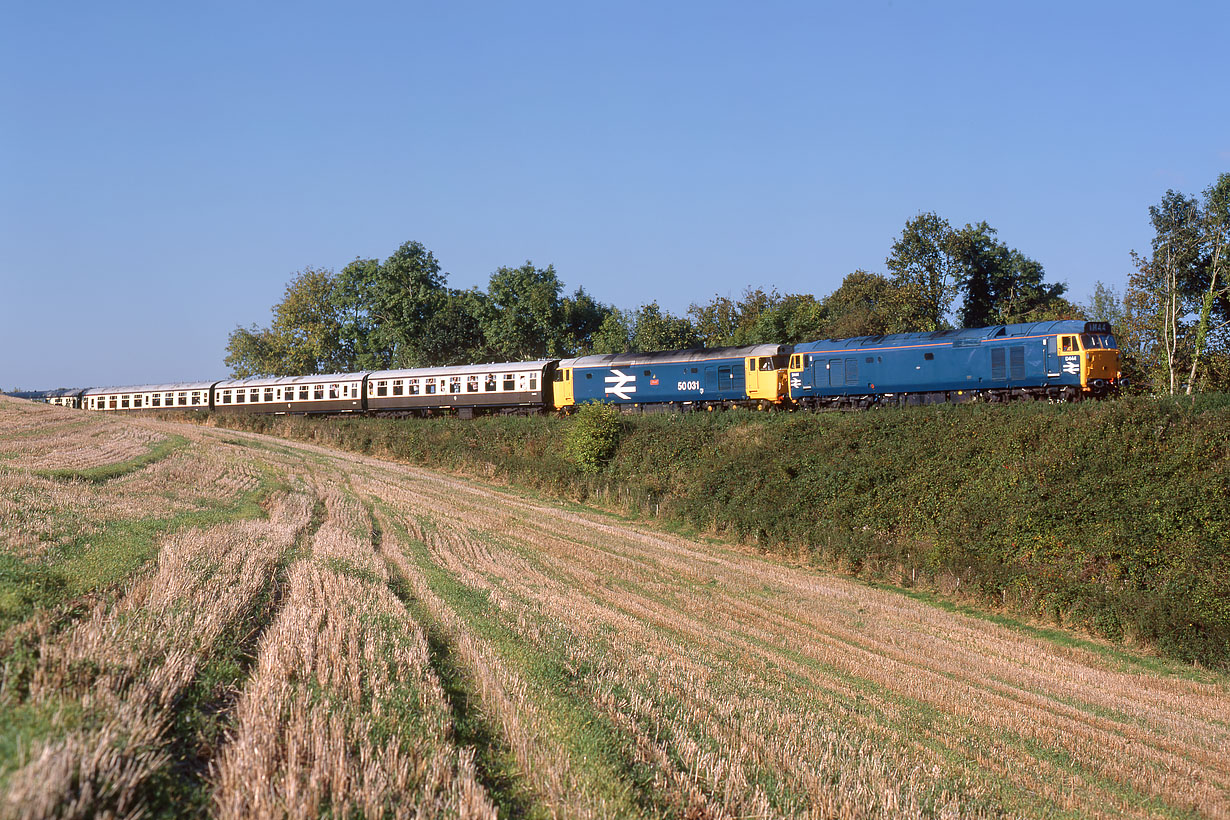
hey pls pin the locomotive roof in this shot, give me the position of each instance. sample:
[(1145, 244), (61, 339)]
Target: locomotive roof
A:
[(664, 356), (147, 388), (461, 370), (970, 334)]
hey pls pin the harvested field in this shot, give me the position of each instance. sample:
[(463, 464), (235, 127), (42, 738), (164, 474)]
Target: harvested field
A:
[(248, 628)]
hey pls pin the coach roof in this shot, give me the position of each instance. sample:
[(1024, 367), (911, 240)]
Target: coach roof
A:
[(148, 388)]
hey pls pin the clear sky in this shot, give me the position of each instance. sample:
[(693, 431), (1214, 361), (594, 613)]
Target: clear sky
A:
[(166, 167)]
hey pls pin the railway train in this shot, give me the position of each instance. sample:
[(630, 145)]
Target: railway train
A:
[(1059, 361)]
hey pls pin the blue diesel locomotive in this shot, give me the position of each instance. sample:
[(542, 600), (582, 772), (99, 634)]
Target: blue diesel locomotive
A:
[(1060, 361)]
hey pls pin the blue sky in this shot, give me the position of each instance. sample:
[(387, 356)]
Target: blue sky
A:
[(166, 167)]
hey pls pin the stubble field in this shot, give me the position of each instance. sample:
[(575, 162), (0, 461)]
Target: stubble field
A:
[(200, 622)]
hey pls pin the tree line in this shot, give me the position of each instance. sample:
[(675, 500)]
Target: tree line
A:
[(1173, 317)]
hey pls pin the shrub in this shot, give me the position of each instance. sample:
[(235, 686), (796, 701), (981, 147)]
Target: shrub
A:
[(593, 437)]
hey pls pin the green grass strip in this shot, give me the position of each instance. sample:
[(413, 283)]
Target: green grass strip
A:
[(106, 472), (98, 561), (603, 755)]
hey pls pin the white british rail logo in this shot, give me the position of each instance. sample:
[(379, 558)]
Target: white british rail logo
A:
[(620, 384)]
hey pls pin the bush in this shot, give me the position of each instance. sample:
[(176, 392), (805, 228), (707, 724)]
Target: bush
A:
[(593, 436)]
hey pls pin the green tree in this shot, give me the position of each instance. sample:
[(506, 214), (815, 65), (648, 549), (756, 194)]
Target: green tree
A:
[(795, 317), (921, 262), (1214, 303), (351, 296), (868, 304), (1000, 284), (614, 335), (583, 318), (523, 316), (655, 329), (249, 352), (305, 335), (1161, 289)]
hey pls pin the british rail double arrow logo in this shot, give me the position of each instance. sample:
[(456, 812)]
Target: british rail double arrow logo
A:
[(621, 384)]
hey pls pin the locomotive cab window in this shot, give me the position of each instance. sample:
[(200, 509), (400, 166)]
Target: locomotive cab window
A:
[(766, 363), (1067, 344)]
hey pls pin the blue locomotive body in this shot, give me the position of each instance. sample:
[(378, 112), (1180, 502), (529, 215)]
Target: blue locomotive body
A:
[(999, 363), (720, 376)]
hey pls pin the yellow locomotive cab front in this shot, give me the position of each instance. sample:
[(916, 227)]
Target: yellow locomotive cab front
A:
[(561, 389), (767, 378)]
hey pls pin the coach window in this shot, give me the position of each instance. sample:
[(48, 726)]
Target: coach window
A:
[(155, 400), (268, 394), (510, 382), (533, 381), (333, 391), (454, 384), (412, 387), (196, 397), (429, 386), (136, 401), (398, 386), (472, 384), (489, 383), (125, 401), (318, 392), (303, 392), (382, 388), (112, 403)]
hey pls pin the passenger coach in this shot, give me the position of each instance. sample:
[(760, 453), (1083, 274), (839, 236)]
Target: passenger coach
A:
[(507, 387), (177, 396), (321, 393)]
